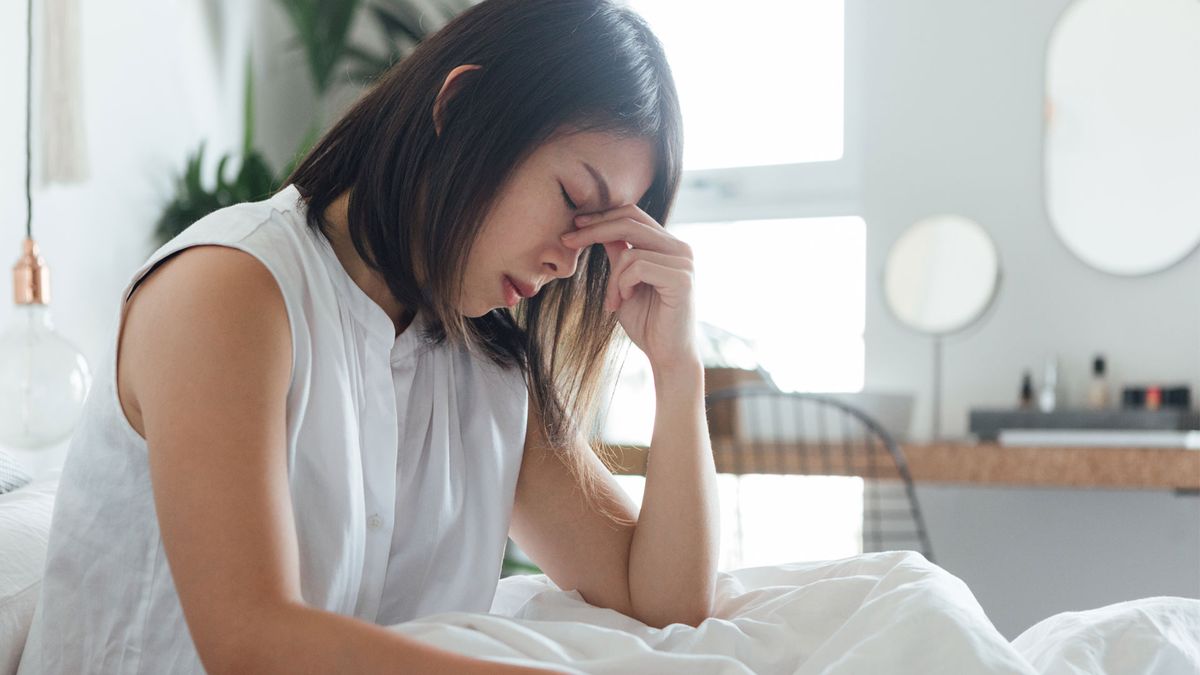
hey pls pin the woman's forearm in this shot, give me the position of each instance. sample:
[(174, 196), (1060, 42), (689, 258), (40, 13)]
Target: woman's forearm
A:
[(299, 639), (673, 555)]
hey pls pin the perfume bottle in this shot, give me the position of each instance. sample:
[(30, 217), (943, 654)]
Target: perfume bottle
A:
[(1048, 396), (1098, 389), (1025, 402)]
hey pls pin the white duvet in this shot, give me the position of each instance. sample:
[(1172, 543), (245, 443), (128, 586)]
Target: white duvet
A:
[(886, 613)]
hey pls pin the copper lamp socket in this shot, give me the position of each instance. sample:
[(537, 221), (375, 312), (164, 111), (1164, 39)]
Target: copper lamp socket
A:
[(31, 277)]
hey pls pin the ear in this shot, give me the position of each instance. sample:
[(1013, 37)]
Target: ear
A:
[(450, 87)]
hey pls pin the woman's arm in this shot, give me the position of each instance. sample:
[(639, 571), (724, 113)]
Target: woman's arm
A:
[(672, 568), (664, 570), (673, 555), (203, 370)]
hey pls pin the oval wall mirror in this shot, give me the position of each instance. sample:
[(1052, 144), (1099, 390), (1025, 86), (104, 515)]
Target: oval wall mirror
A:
[(1122, 144), (941, 274)]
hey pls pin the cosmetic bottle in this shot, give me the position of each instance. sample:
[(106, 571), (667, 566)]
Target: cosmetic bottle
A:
[(1153, 398), (1098, 389), (1048, 396), (1025, 402)]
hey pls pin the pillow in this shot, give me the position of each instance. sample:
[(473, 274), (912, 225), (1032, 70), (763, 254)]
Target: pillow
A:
[(12, 476), (24, 531)]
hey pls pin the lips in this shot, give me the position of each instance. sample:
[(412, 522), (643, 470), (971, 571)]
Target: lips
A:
[(524, 289)]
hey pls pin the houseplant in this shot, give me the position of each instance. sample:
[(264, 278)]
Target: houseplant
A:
[(322, 31)]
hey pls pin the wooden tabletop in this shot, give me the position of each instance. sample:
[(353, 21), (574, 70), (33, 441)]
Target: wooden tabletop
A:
[(973, 463)]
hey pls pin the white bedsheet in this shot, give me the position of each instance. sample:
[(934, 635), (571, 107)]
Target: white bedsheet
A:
[(887, 613)]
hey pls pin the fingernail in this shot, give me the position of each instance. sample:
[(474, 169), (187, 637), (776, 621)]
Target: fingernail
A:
[(583, 220)]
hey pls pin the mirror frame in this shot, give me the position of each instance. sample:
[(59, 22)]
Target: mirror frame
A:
[(1168, 262), (978, 316)]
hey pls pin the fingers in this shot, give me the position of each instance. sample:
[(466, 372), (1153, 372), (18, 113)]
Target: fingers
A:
[(672, 284), (624, 278), (636, 233), (614, 251), (625, 210), (656, 257), (628, 223)]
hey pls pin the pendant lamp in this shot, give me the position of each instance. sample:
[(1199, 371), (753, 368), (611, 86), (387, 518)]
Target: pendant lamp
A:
[(44, 379)]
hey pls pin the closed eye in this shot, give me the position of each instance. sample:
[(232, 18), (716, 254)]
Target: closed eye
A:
[(567, 197)]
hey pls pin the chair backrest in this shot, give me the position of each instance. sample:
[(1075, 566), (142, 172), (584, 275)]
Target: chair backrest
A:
[(760, 429)]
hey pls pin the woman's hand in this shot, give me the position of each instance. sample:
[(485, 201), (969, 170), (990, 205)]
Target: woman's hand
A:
[(650, 287)]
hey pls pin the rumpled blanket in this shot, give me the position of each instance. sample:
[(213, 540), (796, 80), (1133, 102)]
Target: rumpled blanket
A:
[(892, 612)]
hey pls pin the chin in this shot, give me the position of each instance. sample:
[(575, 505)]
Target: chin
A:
[(476, 312)]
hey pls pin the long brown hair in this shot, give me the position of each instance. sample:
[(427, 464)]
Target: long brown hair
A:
[(418, 199)]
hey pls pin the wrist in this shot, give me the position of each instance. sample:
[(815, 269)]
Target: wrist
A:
[(679, 372)]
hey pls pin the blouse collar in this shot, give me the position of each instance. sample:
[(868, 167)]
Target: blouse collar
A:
[(365, 310)]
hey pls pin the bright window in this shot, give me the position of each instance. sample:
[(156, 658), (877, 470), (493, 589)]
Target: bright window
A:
[(772, 178), (760, 82), (770, 520), (794, 289)]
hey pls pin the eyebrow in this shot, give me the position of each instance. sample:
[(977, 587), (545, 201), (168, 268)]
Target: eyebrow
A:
[(605, 197)]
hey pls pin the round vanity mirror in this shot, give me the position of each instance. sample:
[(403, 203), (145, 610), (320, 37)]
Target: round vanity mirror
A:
[(941, 274), (1122, 145)]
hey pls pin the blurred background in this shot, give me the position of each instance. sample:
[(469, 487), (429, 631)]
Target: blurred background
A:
[(966, 229)]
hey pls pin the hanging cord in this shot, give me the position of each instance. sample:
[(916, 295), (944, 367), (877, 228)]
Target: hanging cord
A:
[(28, 120)]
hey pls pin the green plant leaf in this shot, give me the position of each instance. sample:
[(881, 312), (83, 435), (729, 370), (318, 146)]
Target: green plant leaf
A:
[(248, 108), (404, 24), (223, 189), (255, 180), (193, 200), (511, 567), (191, 177), (448, 9), (396, 19), (310, 138), (321, 30), (323, 27), (368, 66)]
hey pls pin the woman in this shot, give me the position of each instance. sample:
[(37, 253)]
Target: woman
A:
[(326, 411)]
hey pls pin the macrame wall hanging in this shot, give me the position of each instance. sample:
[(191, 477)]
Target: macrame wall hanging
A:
[(64, 146)]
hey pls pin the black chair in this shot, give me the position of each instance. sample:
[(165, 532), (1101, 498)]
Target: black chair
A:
[(759, 429)]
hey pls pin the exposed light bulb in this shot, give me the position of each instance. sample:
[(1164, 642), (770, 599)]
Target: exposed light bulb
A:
[(44, 379)]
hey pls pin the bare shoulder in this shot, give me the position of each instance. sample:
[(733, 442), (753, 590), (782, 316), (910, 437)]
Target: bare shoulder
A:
[(206, 355), (212, 308)]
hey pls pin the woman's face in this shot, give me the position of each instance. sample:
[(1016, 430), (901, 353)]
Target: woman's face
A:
[(520, 236)]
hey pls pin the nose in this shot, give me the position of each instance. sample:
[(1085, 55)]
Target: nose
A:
[(562, 261)]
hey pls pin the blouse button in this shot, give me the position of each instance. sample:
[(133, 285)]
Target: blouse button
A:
[(374, 522)]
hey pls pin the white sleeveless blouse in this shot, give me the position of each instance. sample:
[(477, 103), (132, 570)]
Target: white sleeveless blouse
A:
[(402, 462)]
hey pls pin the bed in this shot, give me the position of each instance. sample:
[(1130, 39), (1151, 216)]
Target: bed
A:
[(890, 612)]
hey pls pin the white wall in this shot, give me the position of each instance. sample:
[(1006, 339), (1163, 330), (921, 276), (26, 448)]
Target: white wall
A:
[(952, 122), (158, 77)]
